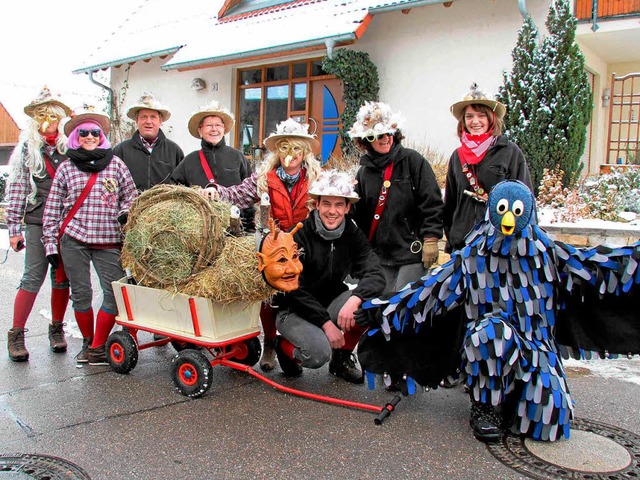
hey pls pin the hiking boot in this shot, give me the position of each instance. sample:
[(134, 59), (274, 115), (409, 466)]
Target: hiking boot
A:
[(449, 382), (343, 365), (486, 422), (268, 359), (290, 367), (56, 337), (82, 356), (97, 356), (15, 344)]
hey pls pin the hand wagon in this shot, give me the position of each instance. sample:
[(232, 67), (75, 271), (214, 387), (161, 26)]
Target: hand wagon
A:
[(204, 333)]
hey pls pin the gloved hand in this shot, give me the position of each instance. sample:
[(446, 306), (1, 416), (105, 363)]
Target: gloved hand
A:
[(123, 217), (53, 260), (429, 252), (367, 318)]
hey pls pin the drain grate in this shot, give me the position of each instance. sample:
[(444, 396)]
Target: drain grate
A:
[(41, 467), (513, 453)]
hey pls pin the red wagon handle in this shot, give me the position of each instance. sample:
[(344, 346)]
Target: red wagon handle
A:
[(383, 412)]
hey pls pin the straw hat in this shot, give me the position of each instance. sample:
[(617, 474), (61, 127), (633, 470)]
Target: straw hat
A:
[(212, 108), (291, 129), (148, 101), (43, 98), (477, 97), (332, 183), (87, 114), (375, 118)]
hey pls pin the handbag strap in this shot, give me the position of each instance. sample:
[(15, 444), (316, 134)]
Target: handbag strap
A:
[(382, 200), (47, 164), (76, 206), (205, 167)]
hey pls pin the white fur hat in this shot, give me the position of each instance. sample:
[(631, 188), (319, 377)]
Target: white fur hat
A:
[(375, 118), (291, 129), (332, 183)]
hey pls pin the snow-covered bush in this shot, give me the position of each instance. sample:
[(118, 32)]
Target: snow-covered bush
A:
[(608, 195)]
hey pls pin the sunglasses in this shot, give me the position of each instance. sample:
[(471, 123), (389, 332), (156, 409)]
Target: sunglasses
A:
[(373, 138), (85, 133)]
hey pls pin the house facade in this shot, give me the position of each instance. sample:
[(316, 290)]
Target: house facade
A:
[(263, 59), (9, 134)]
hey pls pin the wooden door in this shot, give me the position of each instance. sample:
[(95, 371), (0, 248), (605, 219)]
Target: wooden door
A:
[(325, 113)]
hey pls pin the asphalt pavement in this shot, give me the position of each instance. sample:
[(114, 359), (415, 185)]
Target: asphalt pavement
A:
[(137, 426)]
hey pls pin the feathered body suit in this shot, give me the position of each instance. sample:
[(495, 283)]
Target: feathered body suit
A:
[(511, 280)]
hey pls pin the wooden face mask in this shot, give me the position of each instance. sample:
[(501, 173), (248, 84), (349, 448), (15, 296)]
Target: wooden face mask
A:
[(278, 259)]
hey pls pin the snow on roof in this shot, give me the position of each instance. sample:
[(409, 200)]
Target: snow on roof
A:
[(191, 28)]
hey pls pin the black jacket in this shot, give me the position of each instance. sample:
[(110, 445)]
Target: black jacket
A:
[(149, 169), (503, 161), (228, 165), (325, 265), (33, 211), (413, 209)]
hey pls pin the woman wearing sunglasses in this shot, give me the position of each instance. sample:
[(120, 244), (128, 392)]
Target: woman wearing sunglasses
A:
[(400, 207), (285, 175), (89, 199)]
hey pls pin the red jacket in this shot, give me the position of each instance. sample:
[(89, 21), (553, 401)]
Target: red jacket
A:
[(288, 209)]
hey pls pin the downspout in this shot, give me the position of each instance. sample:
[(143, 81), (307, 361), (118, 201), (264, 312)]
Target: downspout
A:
[(330, 43), (523, 8), (104, 87)]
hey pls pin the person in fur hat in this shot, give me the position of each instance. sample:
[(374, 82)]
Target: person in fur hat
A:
[(149, 154), (40, 151), (316, 321), (400, 207)]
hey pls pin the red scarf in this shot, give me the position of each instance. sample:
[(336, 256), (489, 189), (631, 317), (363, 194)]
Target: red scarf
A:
[(51, 139), (474, 147)]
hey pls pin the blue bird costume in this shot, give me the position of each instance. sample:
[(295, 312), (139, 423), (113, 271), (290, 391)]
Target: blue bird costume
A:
[(508, 306)]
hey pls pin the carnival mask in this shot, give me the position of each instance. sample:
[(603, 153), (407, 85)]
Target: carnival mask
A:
[(45, 117), (278, 258), (288, 152)]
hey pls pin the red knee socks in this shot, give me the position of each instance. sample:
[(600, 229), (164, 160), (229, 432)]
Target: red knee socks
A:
[(352, 337), (22, 307), (59, 301), (85, 322), (104, 324), (287, 347), (268, 319)]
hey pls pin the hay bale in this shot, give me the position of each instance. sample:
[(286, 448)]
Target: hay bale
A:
[(172, 233), (234, 275)]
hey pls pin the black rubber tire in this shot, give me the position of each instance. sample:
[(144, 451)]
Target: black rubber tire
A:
[(250, 351), (122, 352), (179, 345), (191, 373)]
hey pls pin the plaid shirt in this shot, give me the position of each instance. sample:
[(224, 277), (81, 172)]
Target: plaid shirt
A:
[(147, 145), (96, 222), (244, 195), (17, 192)]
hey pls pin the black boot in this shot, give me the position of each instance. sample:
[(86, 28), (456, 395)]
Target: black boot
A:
[(343, 365), (486, 422), (290, 366)]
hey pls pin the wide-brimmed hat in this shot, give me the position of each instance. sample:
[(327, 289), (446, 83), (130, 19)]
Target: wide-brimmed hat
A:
[(87, 114), (44, 97), (375, 118), (332, 183), (148, 101), (211, 109), (291, 129), (477, 97)]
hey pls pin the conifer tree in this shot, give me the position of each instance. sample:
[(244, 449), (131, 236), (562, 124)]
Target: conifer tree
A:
[(548, 97), (566, 100)]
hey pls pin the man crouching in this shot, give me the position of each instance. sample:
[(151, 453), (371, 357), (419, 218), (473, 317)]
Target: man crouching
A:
[(316, 321)]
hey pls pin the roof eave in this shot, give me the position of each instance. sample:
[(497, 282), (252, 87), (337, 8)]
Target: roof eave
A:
[(406, 5), (193, 64), (129, 60)]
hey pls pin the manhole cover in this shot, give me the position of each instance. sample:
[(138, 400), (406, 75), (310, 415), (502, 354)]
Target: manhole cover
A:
[(595, 451), (41, 467)]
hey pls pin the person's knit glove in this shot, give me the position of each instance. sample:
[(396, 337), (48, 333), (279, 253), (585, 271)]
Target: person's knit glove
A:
[(429, 252), (367, 318), (53, 260)]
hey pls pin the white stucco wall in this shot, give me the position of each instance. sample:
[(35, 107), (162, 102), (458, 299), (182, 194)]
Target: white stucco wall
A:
[(436, 54)]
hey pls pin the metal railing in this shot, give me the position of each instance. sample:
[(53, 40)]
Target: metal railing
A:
[(595, 10)]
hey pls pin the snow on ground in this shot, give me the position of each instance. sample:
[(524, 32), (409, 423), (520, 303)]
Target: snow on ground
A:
[(622, 368), (632, 223)]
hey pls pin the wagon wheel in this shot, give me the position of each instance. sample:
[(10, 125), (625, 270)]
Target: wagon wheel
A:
[(248, 351), (191, 373), (122, 352), (179, 345)]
